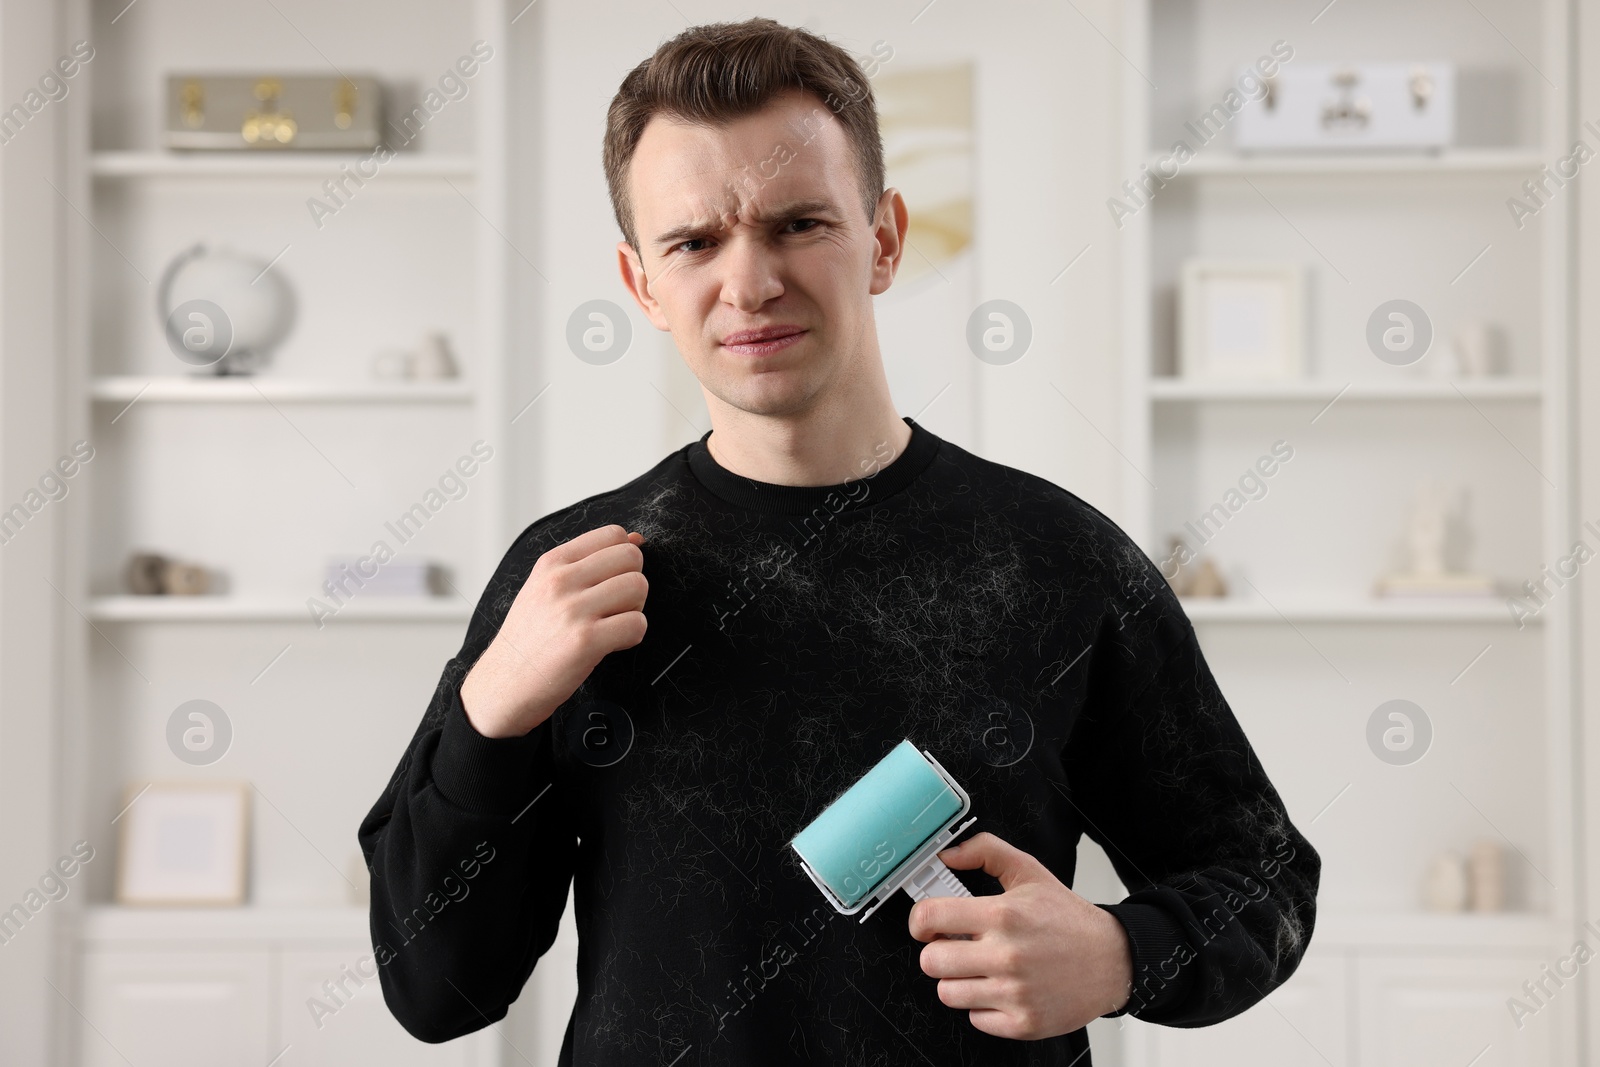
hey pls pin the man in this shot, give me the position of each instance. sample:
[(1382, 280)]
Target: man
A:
[(824, 578)]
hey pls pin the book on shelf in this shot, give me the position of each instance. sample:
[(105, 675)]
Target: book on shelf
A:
[(401, 578)]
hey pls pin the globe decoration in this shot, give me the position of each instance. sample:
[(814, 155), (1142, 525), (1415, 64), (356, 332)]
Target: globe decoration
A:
[(223, 310)]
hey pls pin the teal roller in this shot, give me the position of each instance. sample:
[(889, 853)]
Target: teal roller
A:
[(885, 833)]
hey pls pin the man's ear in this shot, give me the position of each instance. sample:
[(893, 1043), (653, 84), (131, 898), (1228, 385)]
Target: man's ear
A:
[(889, 232), (633, 277)]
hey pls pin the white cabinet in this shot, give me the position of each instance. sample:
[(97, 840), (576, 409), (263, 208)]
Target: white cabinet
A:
[(331, 1013), (247, 986), (250, 1007), (1303, 1023), (178, 1009), (1450, 1011), (1349, 1007)]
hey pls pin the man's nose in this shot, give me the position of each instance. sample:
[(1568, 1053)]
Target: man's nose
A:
[(750, 274)]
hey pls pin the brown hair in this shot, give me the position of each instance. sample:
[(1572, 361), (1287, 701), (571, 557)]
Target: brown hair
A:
[(718, 72)]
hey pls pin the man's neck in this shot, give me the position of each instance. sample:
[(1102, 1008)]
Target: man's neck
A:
[(821, 447)]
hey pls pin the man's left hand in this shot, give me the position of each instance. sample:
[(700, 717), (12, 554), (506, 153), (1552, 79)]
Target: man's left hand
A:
[(1042, 960)]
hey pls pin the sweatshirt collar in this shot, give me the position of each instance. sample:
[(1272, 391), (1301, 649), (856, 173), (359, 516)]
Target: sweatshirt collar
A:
[(775, 499)]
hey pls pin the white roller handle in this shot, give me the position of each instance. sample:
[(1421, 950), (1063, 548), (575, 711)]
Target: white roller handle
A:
[(937, 880)]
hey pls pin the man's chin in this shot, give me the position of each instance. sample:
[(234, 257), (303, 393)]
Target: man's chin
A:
[(780, 402)]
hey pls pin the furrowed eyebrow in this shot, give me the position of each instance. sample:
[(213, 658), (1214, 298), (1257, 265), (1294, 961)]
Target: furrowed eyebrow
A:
[(786, 213)]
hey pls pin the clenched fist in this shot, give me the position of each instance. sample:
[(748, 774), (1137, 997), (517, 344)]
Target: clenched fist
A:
[(583, 599)]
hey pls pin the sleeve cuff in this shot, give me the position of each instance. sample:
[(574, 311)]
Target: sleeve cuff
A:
[(492, 775), (1162, 959)]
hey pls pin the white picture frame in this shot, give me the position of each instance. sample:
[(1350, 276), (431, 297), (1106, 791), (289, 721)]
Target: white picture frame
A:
[(1241, 320), (183, 843)]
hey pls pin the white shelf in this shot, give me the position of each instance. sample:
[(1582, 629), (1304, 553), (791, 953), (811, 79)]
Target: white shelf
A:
[(1459, 161), (273, 609), (273, 163), (1367, 226), (1403, 930), (155, 488), (1183, 390), (259, 390), (103, 924), (1350, 609)]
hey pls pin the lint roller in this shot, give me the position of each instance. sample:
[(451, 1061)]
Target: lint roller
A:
[(885, 833)]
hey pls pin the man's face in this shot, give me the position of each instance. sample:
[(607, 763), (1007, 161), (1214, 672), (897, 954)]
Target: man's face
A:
[(760, 225)]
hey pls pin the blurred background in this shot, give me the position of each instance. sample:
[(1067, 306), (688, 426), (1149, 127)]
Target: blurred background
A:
[(1295, 292)]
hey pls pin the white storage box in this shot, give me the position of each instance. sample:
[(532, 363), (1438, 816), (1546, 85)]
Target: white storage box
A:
[(1342, 106), (366, 577)]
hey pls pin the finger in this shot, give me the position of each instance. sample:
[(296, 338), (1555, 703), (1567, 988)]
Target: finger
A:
[(620, 593), (621, 631), (603, 563), (970, 993), (998, 858), (953, 959), (947, 917), (585, 543), (1000, 1023)]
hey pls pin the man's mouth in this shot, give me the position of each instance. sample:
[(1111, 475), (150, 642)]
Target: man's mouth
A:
[(763, 341)]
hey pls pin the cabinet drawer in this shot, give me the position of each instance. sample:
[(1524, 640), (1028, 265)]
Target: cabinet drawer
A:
[(331, 1013), (1303, 1023), (1448, 1011), (178, 1009)]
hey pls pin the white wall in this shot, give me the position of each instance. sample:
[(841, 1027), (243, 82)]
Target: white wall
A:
[(1587, 421), (30, 441)]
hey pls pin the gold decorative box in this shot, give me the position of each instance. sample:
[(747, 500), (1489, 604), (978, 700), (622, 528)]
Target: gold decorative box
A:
[(271, 111)]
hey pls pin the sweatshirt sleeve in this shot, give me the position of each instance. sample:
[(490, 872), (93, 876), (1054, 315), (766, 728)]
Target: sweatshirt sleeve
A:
[(469, 850), (1222, 886)]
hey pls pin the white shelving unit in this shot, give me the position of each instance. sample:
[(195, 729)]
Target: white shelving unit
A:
[(1480, 161), (264, 609), (1301, 647), (1180, 390), (158, 164), (1337, 609), (264, 478), (127, 389), (107, 926)]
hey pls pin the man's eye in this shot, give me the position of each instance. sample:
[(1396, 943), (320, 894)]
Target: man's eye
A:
[(809, 224)]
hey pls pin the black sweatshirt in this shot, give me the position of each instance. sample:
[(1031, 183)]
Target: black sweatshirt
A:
[(796, 634)]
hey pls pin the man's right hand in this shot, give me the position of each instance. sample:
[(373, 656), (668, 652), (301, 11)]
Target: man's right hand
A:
[(583, 599)]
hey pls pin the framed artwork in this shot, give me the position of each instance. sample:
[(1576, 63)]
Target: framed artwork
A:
[(183, 843), (1240, 320), (928, 127)]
